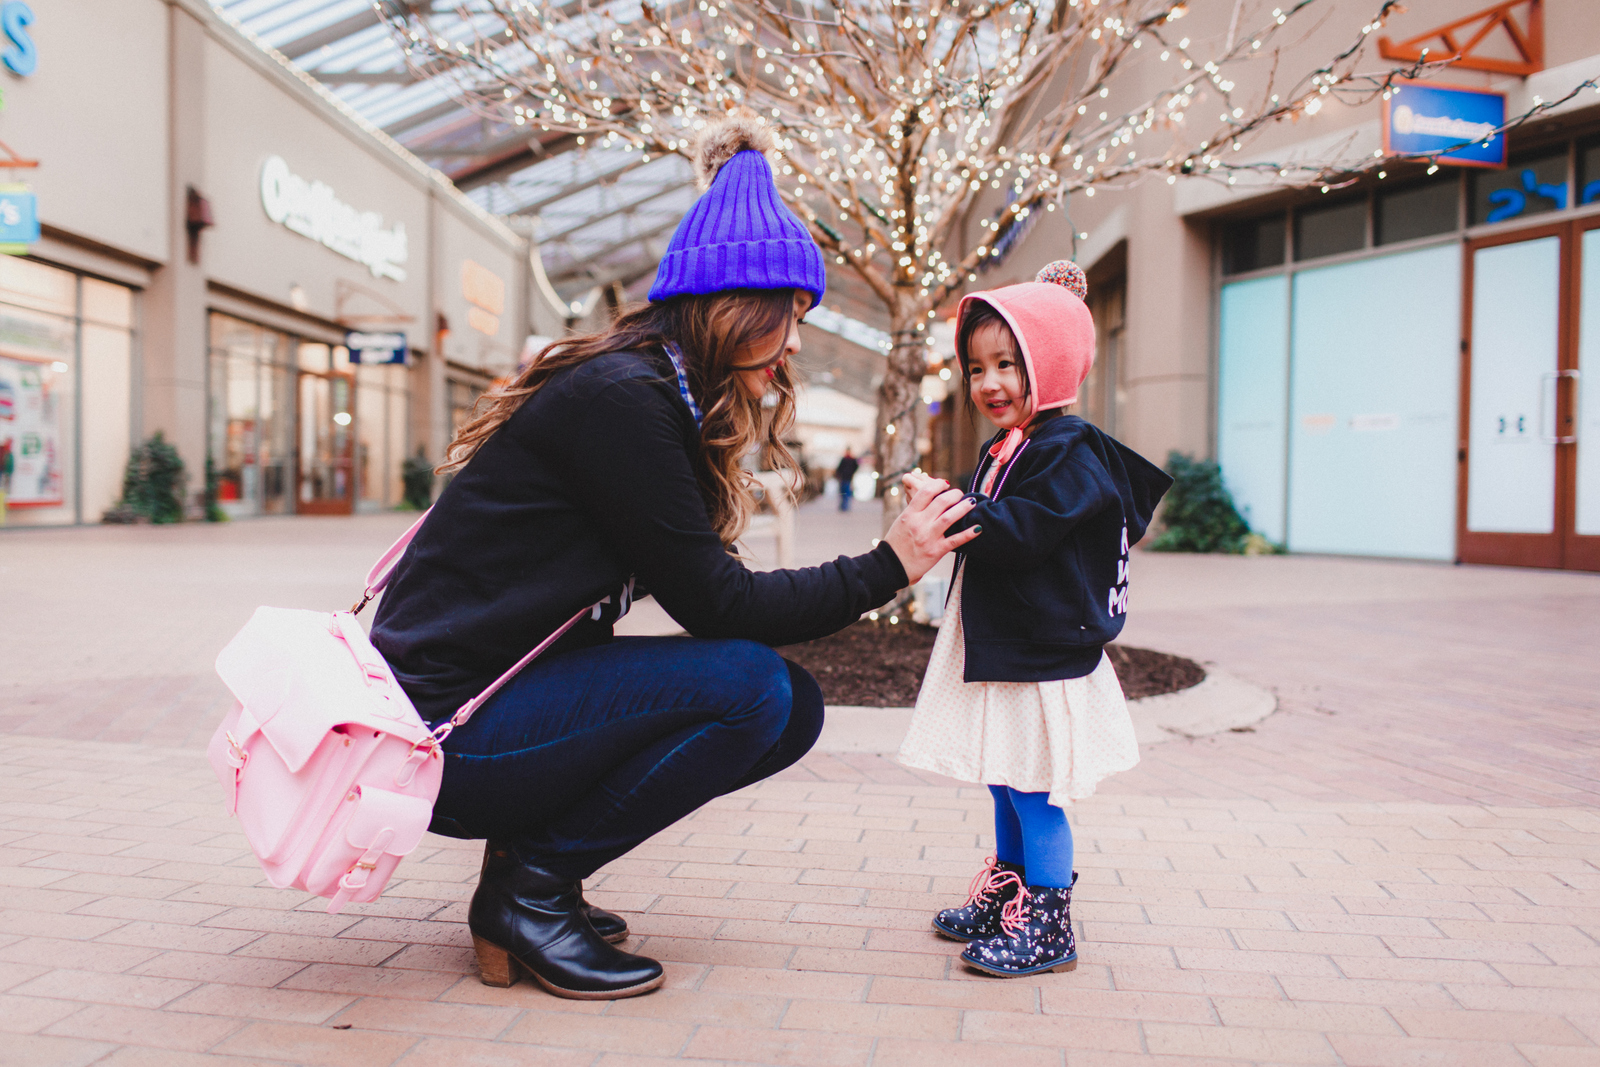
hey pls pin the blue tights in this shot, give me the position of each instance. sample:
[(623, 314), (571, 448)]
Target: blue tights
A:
[(1032, 834)]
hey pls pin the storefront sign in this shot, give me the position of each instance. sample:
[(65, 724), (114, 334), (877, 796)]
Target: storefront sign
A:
[(311, 209), (485, 291), (20, 56), (29, 434), (376, 347), (1421, 118), (19, 219)]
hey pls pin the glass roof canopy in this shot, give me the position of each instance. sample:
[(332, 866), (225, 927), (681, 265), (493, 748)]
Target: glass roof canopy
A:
[(599, 216)]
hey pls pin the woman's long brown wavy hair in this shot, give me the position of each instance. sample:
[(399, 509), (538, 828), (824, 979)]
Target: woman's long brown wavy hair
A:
[(712, 331)]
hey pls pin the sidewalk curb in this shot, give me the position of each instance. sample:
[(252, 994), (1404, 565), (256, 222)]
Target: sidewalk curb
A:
[(1221, 701)]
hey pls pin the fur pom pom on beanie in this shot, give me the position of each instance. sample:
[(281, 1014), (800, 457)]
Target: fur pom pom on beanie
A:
[(739, 234), (741, 131), (1052, 326)]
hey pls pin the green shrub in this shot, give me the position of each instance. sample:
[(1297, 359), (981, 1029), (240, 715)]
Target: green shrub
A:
[(1198, 512), (416, 474), (152, 485)]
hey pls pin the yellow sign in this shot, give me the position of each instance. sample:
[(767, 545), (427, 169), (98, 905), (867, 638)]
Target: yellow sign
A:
[(486, 292)]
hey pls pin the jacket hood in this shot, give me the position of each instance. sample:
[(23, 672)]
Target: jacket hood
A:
[(1052, 326), (1140, 483)]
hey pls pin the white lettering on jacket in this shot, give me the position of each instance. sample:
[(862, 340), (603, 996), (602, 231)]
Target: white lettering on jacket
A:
[(1117, 598)]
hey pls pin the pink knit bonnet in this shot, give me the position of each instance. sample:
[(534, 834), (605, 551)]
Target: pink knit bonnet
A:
[(1052, 326)]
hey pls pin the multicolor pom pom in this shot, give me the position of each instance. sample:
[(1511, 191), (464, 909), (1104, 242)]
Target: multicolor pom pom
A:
[(1066, 273)]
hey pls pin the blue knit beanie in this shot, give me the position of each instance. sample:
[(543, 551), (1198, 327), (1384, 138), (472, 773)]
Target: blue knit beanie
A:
[(739, 234)]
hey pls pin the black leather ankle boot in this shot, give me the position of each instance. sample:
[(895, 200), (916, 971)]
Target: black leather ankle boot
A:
[(608, 924), (525, 919)]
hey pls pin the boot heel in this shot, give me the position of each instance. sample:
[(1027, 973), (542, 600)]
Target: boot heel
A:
[(495, 965)]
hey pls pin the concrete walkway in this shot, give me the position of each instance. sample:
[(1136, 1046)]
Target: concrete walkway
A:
[(1401, 866)]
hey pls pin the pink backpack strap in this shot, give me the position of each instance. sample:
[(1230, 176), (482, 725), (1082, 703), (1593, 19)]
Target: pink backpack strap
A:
[(465, 712), (378, 576)]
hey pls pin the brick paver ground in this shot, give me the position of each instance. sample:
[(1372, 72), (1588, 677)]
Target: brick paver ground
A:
[(1402, 866)]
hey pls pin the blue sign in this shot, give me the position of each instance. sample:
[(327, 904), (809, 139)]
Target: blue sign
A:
[(21, 56), (366, 347), (19, 218), (1420, 119)]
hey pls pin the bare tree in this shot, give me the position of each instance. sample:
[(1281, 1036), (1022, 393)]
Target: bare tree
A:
[(895, 116)]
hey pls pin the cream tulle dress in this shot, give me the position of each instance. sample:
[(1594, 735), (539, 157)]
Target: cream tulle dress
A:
[(1062, 737)]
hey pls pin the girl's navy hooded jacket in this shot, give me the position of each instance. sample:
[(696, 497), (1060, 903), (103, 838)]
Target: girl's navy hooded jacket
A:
[(1047, 581)]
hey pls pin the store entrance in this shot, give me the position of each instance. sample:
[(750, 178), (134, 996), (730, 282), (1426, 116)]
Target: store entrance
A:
[(326, 446), (1530, 408)]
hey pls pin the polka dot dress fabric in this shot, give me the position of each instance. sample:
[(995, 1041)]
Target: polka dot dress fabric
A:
[(1061, 737)]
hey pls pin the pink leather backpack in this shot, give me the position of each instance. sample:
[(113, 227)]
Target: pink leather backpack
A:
[(327, 764)]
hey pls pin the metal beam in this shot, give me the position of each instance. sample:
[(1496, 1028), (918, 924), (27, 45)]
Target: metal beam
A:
[(352, 77), (500, 169), (616, 246), (499, 145), (627, 275), (422, 118), (303, 46), (589, 183), (613, 213)]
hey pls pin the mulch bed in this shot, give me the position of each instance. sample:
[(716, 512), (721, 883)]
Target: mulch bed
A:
[(879, 665)]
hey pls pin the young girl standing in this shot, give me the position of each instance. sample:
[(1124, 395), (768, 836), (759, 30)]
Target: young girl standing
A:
[(1019, 694)]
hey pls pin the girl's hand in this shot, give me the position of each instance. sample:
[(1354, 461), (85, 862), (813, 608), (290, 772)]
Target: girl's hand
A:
[(917, 535), (914, 480)]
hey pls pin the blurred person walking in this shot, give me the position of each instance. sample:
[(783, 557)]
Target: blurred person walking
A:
[(845, 473), (608, 469)]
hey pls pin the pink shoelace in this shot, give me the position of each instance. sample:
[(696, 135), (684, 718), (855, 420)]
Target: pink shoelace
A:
[(1014, 916), (983, 882)]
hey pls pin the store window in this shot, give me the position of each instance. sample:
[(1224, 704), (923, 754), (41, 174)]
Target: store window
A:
[(325, 432), (251, 418), (1330, 230), (1103, 396), (1531, 185), (1589, 172), (463, 397), (1411, 212), (1254, 245), (66, 400), (382, 414)]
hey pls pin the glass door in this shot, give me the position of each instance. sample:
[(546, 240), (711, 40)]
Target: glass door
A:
[(325, 456), (1528, 497), (1580, 389)]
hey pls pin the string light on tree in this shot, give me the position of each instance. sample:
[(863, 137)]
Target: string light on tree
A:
[(888, 114)]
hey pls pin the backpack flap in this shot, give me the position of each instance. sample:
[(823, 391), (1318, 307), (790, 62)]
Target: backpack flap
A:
[(392, 822), (300, 673)]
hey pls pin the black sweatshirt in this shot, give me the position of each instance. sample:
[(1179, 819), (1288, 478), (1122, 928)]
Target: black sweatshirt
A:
[(1047, 580), (590, 484)]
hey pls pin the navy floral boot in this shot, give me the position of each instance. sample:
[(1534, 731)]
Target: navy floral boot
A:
[(979, 917), (1035, 935)]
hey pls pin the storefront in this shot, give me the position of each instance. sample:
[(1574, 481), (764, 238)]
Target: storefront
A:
[(67, 345), (297, 428), (207, 286), (1401, 371), (1403, 361)]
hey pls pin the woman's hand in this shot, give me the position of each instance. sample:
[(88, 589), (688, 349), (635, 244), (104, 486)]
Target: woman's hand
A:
[(917, 535)]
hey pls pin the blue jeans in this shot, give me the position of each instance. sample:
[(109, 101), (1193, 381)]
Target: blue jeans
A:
[(586, 754), (846, 492)]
